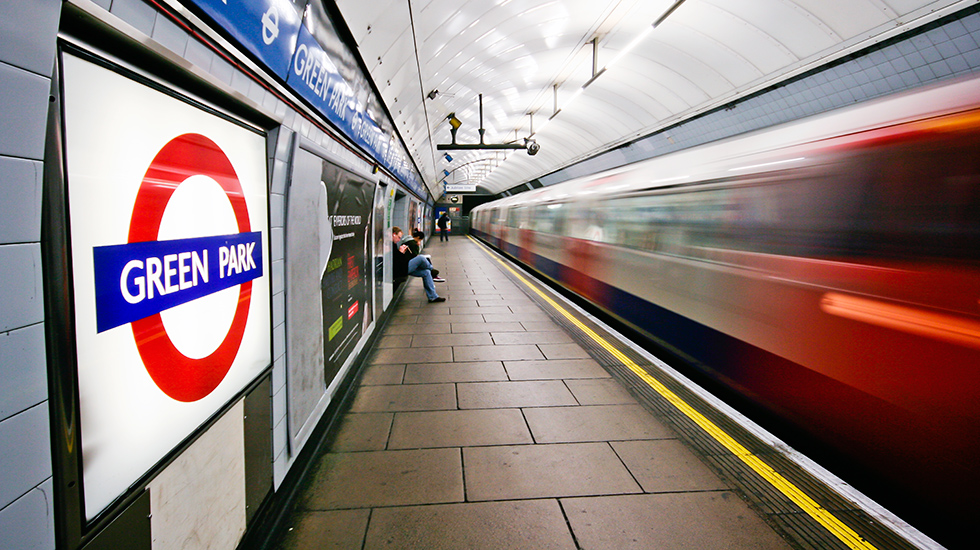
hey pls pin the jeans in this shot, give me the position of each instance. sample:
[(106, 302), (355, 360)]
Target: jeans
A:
[(420, 266), (443, 235)]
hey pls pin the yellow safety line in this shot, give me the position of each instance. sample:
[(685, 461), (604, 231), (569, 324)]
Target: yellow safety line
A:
[(783, 485)]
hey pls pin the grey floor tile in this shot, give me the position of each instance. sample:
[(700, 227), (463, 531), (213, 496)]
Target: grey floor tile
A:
[(599, 391), (666, 465), (419, 328), (542, 471), (517, 305), (417, 397), (403, 320), (497, 353), (433, 373), (395, 341), (385, 478), (593, 423), (412, 355), (490, 310), (563, 351), (466, 339), (405, 309), (473, 428), (532, 524), (488, 387), (510, 338), (460, 302), (716, 520), (327, 530), (557, 369), (362, 432), (446, 318), (540, 326), (516, 317), (487, 327), (383, 375), (538, 393)]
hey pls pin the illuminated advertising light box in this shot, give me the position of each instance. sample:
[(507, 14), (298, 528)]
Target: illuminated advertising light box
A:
[(170, 270)]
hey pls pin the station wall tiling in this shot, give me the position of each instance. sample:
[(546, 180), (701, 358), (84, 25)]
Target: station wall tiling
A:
[(26, 60)]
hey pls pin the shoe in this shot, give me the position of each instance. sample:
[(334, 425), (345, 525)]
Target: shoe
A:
[(435, 272), (439, 299), (438, 280)]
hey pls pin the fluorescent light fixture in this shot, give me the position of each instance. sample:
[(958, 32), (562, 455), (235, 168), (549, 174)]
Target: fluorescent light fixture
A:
[(575, 95), (638, 39), (630, 47)]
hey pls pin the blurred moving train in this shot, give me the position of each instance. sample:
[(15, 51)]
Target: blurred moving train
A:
[(828, 270)]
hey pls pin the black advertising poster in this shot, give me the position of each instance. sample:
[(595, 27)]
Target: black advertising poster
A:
[(344, 286), (380, 201)]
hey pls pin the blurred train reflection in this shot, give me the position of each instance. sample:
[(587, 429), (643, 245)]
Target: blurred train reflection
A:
[(828, 270)]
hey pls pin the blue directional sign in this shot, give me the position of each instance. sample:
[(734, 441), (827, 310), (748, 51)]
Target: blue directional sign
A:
[(315, 76), (267, 28), (272, 30), (136, 280)]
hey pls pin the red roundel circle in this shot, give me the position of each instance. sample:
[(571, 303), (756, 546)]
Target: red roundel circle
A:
[(179, 376)]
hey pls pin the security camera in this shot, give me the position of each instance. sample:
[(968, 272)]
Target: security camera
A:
[(532, 147)]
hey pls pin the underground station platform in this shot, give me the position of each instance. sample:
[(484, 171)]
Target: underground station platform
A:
[(507, 417)]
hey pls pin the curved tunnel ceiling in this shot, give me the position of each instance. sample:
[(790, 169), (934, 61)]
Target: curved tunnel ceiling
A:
[(526, 56)]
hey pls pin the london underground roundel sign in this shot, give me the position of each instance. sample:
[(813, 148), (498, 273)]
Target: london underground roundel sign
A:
[(138, 280), (171, 293)]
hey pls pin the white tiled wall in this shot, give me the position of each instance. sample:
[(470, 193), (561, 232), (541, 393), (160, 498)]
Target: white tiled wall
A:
[(27, 49)]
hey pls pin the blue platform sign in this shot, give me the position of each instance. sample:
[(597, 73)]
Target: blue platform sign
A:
[(136, 280), (316, 78), (272, 30), (267, 28)]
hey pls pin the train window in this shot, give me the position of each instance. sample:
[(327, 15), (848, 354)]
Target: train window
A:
[(915, 198), (925, 201), (499, 216), (515, 215), (546, 218)]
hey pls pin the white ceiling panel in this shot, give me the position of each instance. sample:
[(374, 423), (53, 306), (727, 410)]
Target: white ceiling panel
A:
[(515, 52), (364, 23), (720, 58)]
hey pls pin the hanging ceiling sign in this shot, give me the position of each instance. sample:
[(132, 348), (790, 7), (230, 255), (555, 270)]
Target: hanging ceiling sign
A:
[(460, 188), (267, 28)]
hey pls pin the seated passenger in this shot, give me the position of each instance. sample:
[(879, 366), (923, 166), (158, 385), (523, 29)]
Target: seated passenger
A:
[(418, 238), (406, 263)]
